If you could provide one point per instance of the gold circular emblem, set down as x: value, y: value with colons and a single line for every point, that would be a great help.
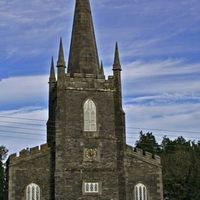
x: 91, y: 153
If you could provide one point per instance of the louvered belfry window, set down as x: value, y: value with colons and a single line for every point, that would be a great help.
x: 90, y: 121
x: 141, y: 192
x: 91, y: 187
x: 32, y: 192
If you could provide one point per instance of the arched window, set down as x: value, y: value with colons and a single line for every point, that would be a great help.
x: 90, y: 123
x: 32, y: 192
x: 141, y: 192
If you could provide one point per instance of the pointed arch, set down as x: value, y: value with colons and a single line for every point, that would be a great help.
x: 90, y: 118
x: 140, y: 192
x: 32, y: 192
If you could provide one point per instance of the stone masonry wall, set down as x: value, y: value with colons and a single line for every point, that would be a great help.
x: 31, y: 166
x: 71, y: 139
x: 141, y: 167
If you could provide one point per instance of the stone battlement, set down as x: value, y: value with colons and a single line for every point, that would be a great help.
x: 26, y: 153
x: 88, y: 81
x: 143, y: 154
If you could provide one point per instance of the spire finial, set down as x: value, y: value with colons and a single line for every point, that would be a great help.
x: 52, y: 77
x: 83, y: 56
x: 61, y: 58
x: 116, y: 64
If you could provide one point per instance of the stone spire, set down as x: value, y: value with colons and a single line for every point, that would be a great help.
x: 52, y: 77
x: 83, y: 56
x: 61, y: 58
x: 116, y: 64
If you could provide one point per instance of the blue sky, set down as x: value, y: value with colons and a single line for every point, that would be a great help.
x: 160, y: 54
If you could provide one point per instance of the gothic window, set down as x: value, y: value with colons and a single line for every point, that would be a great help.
x: 32, y: 192
x: 141, y: 192
x: 90, y: 123
x: 91, y: 187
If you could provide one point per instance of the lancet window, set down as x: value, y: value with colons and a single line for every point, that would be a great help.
x: 141, y: 192
x: 90, y: 121
x: 32, y: 192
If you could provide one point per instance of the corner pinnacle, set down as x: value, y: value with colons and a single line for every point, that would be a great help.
x: 52, y: 77
x: 101, y: 69
x: 116, y: 64
x: 61, y: 58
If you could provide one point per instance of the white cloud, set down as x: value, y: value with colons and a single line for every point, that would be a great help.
x: 33, y: 113
x: 23, y: 89
x: 153, y: 98
x: 31, y: 28
x: 161, y: 67
x: 162, y: 95
x: 152, y: 28
x: 178, y: 119
x: 166, y: 76
x: 17, y: 131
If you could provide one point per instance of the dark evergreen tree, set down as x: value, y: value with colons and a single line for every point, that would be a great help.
x: 3, y: 152
x: 181, y: 165
x: 1, y: 180
x: 148, y: 143
x: 176, y: 162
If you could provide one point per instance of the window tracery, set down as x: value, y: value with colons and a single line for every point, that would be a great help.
x: 141, y: 192
x: 32, y: 192
x: 90, y: 123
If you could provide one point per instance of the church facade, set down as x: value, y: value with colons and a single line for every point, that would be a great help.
x: 86, y: 156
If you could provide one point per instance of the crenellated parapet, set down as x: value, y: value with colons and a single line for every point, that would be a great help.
x: 29, y: 153
x: 144, y: 155
x: 81, y: 81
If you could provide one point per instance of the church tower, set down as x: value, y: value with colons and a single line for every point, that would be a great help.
x: 86, y: 127
x: 86, y: 156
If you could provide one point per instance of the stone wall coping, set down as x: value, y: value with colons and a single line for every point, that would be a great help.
x: 89, y: 89
x: 143, y: 154
x: 25, y: 153
x: 77, y: 75
x: 88, y: 81
x: 88, y: 76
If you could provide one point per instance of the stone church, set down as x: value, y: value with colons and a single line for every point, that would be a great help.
x: 86, y: 156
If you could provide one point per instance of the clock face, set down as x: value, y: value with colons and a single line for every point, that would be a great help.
x: 91, y: 154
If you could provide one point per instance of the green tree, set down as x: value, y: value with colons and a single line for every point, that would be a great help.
x: 180, y: 163
x: 148, y: 143
x: 3, y: 152
x: 176, y: 162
